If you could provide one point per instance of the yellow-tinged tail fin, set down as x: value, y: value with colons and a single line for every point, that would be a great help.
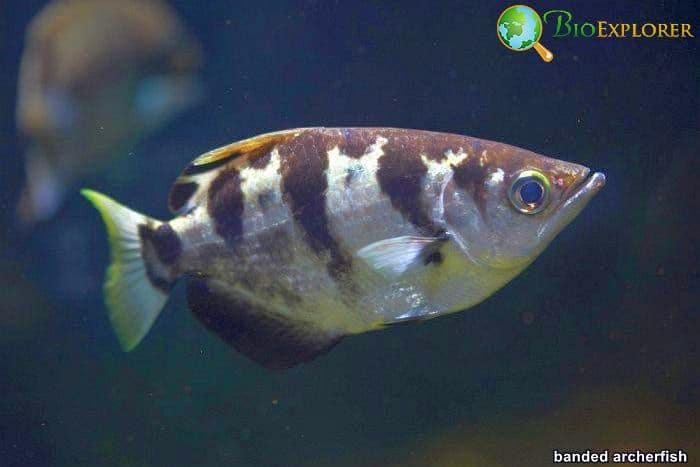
x: 132, y: 298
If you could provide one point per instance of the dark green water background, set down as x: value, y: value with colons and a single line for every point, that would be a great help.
x: 594, y: 346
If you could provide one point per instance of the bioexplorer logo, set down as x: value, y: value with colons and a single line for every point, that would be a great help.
x: 520, y: 28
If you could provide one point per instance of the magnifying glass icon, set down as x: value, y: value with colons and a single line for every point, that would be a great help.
x: 519, y: 28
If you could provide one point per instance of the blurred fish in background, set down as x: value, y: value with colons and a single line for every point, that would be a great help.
x: 95, y: 76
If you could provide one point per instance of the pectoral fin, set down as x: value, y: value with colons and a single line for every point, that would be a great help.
x: 394, y: 257
x: 266, y: 336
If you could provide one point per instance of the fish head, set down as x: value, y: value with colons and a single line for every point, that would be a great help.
x: 170, y: 83
x: 505, y: 204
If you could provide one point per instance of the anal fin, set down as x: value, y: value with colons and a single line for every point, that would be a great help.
x: 266, y: 337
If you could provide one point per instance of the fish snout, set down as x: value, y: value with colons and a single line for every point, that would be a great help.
x: 572, y: 204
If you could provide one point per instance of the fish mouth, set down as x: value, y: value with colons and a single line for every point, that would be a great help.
x: 573, y: 203
x: 586, y: 189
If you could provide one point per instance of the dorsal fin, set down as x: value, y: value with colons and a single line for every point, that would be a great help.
x: 247, y: 149
x: 196, y: 177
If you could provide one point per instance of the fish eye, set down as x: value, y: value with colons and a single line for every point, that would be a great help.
x: 529, y: 192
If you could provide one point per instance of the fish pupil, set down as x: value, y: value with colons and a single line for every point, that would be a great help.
x: 531, y: 192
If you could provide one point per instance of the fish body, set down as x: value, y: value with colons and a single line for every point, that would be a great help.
x: 292, y: 240
x: 95, y: 75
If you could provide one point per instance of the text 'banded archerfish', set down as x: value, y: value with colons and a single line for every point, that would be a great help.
x: 292, y: 240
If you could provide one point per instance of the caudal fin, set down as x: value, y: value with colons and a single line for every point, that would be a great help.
x: 133, y: 295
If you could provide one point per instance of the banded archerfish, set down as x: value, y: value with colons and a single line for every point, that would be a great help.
x: 292, y: 240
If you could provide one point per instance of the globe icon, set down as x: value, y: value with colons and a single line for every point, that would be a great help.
x: 520, y: 28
